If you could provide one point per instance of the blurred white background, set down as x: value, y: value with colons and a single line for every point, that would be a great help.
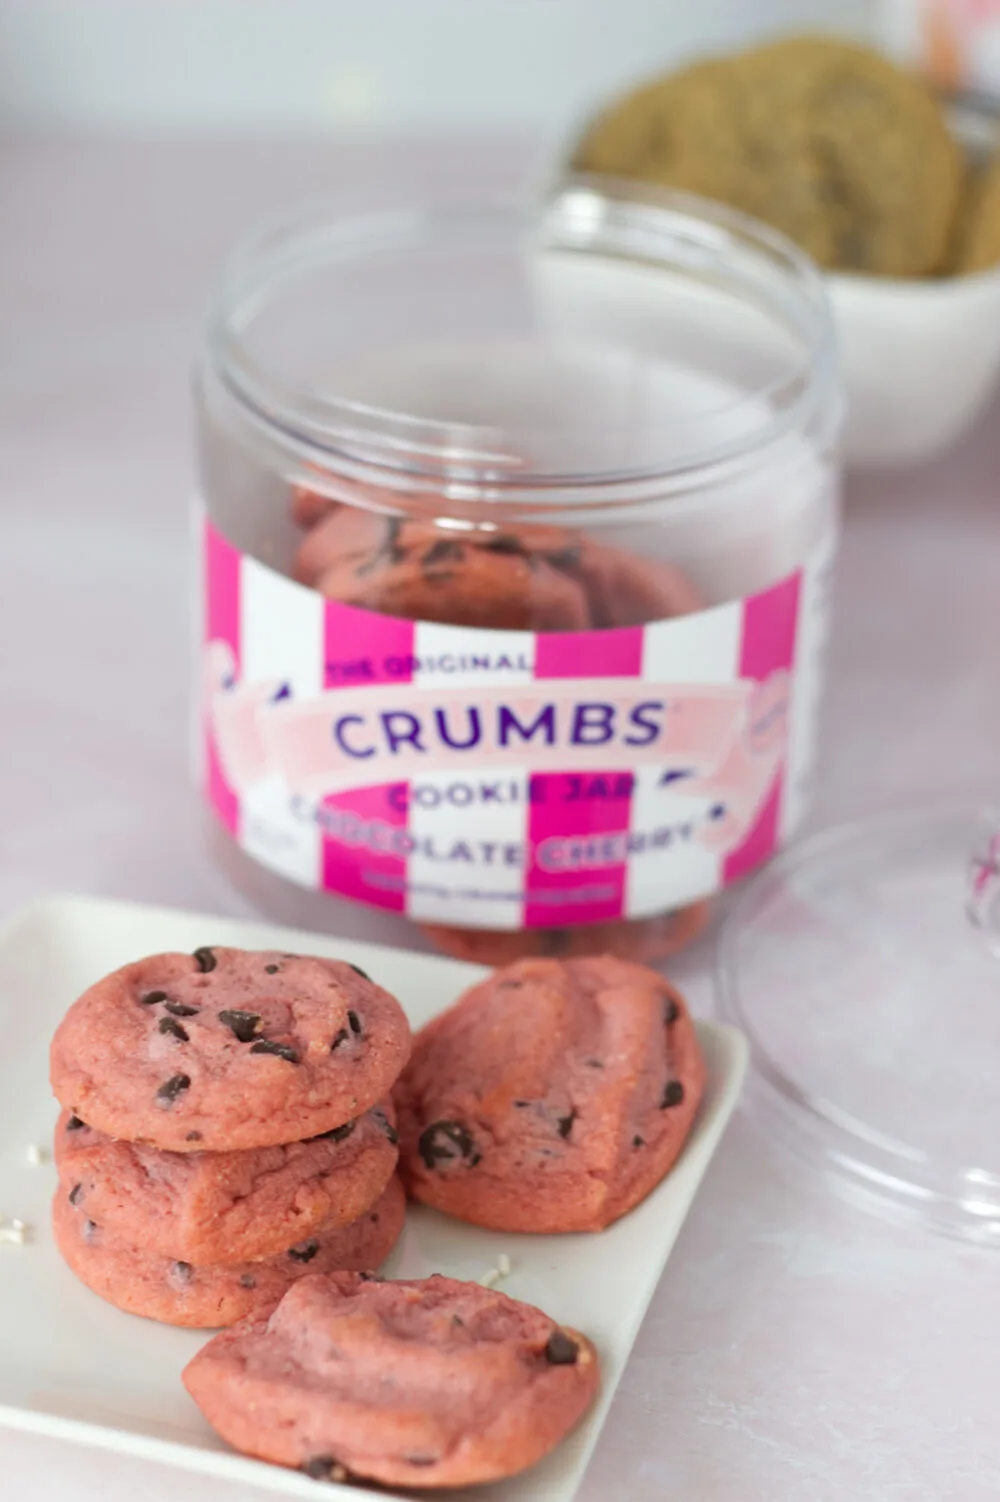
x: 361, y: 66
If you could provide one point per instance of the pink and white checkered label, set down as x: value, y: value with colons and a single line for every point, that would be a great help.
x: 502, y: 779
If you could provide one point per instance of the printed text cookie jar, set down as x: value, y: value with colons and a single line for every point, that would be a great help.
x: 516, y: 537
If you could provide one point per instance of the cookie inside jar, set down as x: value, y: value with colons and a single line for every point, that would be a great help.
x: 519, y: 524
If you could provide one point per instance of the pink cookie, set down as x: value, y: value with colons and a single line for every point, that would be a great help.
x: 227, y: 1049
x: 226, y: 1207
x: 553, y: 1096
x: 140, y: 1281
x: 417, y: 1384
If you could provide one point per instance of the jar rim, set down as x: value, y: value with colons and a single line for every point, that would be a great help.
x: 606, y: 218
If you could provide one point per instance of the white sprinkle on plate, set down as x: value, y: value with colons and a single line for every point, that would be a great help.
x: 496, y: 1274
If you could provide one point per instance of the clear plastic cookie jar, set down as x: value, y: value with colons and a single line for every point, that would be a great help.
x: 516, y: 535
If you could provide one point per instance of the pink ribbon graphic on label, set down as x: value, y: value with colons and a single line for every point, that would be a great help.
x: 744, y: 777
x: 347, y: 740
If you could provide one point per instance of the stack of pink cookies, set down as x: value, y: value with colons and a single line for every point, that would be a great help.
x: 227, y: 1128
x: 552, y: 1097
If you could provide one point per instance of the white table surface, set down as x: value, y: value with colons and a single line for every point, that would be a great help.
x: 797, y: 1350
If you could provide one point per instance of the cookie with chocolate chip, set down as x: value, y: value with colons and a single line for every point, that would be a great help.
x: 506, y: 579
x: 371, y: 538
x: 528, y: 576
x: 553, y: 1096
x: 139, y: 1280
x: 413, y: 1384
x: 829, y: 142
x: 227, y: 1049
x: 211, y: 1208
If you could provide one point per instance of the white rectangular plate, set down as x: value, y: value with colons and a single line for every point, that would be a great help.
x: 73, y: 1367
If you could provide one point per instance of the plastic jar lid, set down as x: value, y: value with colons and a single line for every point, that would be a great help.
x: 863, y: 966
x: 599, y: 348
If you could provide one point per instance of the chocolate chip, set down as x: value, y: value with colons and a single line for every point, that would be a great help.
x: 180, y: 1009
x: 153, y: 998
x: 444, y: 550
x: 337, y: 1134
x: 354, y: 1022
x: 75, y: 1124
x: 457, y: 1319
x: 206, y: 960
x: 280, y: 1050
x: 76, y: 1194
x: 556, y: 940
x: 243, y: 1025
x: 673, y: 1094
x: 387, y: 1127
x: 247, y: 1280
x: 304, y: 1253
x: 182, y: 1271
x: 358, y: 971
x: 173, y: 1029
x: 271, y: 969
x: 520, y: 1104
x: 325, y: 1468
x: 505, y: 543
x: 389, y: 549
x: 341, y: 1037
x: 671, y: 1012
x: 564, y: 558
x: 595, y: 1064
x: 394, y: 527
x: 89, y: 1231
x: 565, y: 1123
x: 169, y: 1091
x: 445, y: 1142
x: 421, y: 1459
x: 560, y: 1350
x: 371, y: 1277
x: 193, y: 1137
x: 638, y: 1142
x: 476, y: 1158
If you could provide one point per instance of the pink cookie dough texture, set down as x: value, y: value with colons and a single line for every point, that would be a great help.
x: 226, y: 1207
x: 175, y: 1292
x: 553, y: 1096
x: 414, y: 1384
